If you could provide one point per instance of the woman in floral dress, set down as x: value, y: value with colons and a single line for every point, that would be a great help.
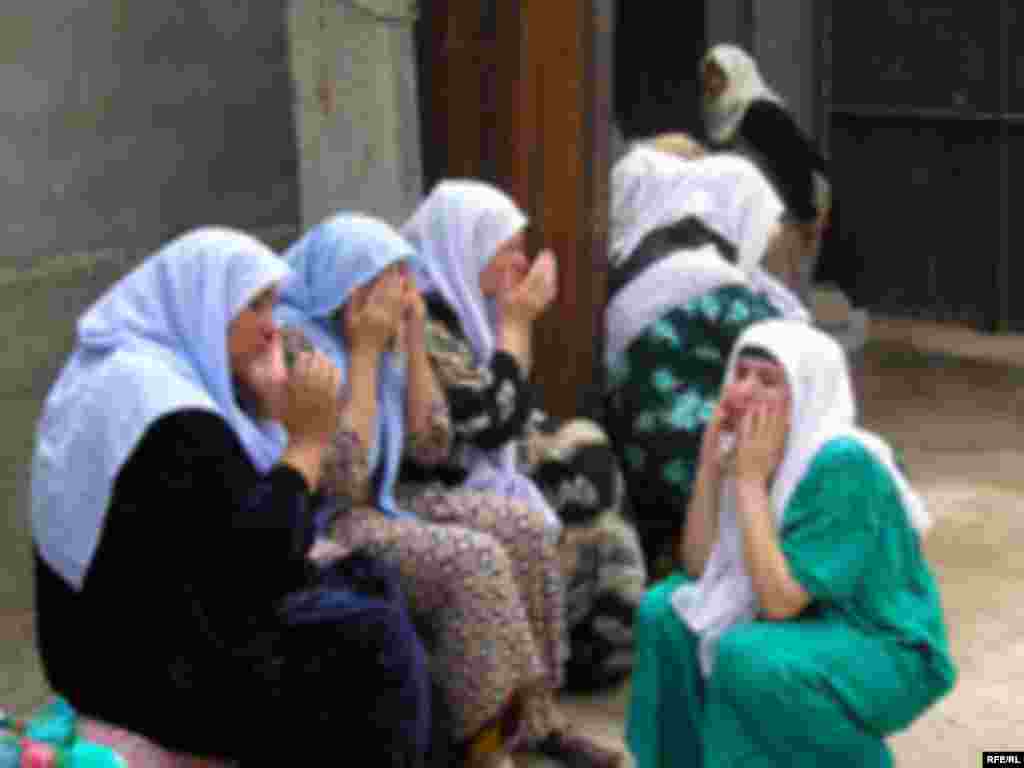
x: 479, y: 570
x: 482, y: 298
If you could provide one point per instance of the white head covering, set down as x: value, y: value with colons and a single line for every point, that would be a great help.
x: 822, y: 408
x: 457, y: 230
x: 155, y: 343
x: 744, y: 85
x: 653, y: 189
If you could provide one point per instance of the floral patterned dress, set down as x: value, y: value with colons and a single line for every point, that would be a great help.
x: 661, y: 393
x: 480, y: 572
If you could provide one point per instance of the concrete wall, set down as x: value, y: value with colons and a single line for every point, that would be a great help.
x: 728, y: 21
x: 785, y: 47
x: 123, y: 123
x: 782, y: 37
x: 356, y: 108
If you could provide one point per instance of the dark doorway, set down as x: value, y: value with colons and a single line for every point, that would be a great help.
x: 924, y: 135
x: 658, y: 47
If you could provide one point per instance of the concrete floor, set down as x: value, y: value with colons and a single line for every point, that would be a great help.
x: 953, y: 402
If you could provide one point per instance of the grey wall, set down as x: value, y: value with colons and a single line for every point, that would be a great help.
x: 729, y: 21
x: 361, y: 151
x: 782, y: 37
x: 122, y: 123
x: 785, y: 48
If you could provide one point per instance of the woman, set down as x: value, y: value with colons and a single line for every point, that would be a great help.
x: 687, y: 241
x: 807, y: 625
x: 171, y: 515
x: 475, y: 565
x: 742, y: 113
x: 482, y: 299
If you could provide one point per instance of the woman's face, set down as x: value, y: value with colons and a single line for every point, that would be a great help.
x: 397, y: 275
x: 256, y: 352
x: 252, y: 333
x: 715, y: 81
x: 508, y: 263
x: 756, y: 380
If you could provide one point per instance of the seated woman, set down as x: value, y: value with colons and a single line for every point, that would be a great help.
x: 743, y: 114
x: 482, y: 298
x: 687, y: 242
x: 479, y: 569
x: 807, y: 625
x: 171, y: 517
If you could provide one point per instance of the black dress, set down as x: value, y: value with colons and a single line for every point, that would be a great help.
x: 196, y: 626
x: 790, y: 159
x: 489, y: 405
x: 785, y: 154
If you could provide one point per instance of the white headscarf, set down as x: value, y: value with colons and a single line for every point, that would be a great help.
x: 457, y: 230
x: 822, y: 408
x: 744, y: 85
x: 155, y: 343
x: 653, y: 189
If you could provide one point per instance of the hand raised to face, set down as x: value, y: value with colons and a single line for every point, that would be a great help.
x: 761, y: 440
x: 374, y: 313
x: 525, y: 301
x: 313, y: 398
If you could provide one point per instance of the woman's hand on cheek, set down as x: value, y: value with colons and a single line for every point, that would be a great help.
x: 313, y: 398
x: 525, y: 301
x: 761, y: 442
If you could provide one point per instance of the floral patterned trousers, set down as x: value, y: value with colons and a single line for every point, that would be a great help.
x: 483, y: 572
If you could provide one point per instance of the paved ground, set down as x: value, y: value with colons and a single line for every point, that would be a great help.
x: 960, y: 424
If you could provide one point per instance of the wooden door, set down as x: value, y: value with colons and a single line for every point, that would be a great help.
x: 519, y: 94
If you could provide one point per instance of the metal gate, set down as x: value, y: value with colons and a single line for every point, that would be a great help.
x: 925, y: 128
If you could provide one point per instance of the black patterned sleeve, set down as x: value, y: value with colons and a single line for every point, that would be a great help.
x: 489, y: 404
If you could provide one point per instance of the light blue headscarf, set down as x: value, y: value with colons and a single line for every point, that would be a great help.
x: 155, y: 343
x: 330, y: 262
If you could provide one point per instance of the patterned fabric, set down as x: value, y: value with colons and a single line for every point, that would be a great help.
x: 489, y: 403
x: 661, y: 393
x: 140, y: 752
x: 574, y: 466
x: 433, y: 445
x: 482, y: 572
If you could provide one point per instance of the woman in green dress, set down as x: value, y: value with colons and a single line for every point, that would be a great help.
x: 688, y: 241
x: 807, y: 625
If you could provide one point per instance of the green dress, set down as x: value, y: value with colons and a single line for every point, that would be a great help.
x: 866, y: 658
x: 661, y: 393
